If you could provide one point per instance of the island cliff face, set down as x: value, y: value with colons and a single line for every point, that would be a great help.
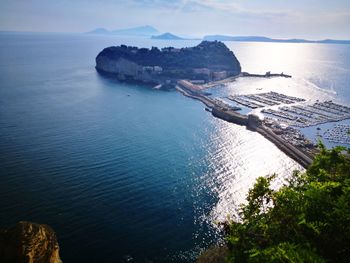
x: 29, y: 243
x: 210, y: 60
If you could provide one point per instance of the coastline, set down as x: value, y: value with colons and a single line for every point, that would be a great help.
x: 251, y: 122
x: 110, y: 144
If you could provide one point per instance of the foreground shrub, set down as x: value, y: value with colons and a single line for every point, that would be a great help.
x: 306, y: 220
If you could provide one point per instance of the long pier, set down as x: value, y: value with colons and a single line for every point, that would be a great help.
x: 293, y: 152
x: 266, y: 75
x: 230, y: 116
x: 251, y: 122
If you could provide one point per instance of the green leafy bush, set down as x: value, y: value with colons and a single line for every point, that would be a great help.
x: 306, y: 220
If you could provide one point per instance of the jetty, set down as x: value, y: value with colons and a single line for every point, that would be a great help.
x: 191, y: 90
x: 228, y: 113
x: 300, y: 156
x: 268, y: 74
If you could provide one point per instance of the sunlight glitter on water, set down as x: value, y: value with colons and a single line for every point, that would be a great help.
x: 238, y: 157
x: 140, y: 168
x: 318, y: 71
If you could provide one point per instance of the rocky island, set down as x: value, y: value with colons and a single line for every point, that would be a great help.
x: 208, y: 61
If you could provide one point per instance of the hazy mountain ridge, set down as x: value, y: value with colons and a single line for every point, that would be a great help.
x: 167, y: 36
x: 134, y: 31
x: 153, y: 33
x: 170, y: 36
x: 267, y: 39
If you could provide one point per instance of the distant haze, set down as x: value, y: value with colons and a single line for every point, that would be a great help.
x: 310, y: 19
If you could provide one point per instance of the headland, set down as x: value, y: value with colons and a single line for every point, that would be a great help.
x: 208, y: 61
x: 192, y: 70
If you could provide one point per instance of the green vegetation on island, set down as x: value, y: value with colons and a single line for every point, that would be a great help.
x: 206, y: 61
x: 306, y: 220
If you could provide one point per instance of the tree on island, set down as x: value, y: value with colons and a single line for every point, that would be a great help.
x: 306, y: 220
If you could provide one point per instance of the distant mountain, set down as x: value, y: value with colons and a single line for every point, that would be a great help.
x: 170, y: 36
x: 146, y: 31
x: 232, y: 38
x: 332, y: 41
x: 101, y: 31
x: 139, y: 31
x: 167, y: 36
x: 266, y: 39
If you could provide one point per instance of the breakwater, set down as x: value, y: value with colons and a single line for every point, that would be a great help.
x: 252, y: 122
x: 205, y: 100
x: 266, y: 75
x: 230, y: 116
x: 303, y: 158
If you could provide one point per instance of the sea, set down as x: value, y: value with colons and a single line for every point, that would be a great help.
x: 126, y: 173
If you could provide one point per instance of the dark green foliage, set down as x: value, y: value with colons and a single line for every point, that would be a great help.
x: 307, y: 220
x: 212, y: 55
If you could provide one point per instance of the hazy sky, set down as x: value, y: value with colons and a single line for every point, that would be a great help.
x: 312, y: 19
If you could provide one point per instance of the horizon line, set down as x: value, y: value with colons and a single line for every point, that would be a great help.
x: 195, y: 38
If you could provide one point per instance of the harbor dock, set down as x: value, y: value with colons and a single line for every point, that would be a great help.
x: 252, y: 122
x: 266, y: 75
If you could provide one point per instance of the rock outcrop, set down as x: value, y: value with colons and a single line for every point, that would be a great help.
x: 29, y: 243
x: 206, y: 61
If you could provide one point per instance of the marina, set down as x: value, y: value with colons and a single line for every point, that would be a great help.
x: 293, y: 111
x: 340, y: 133
x: 306, y: 115
x: 290, y: 141
x: 261, y: 100
x: 283, y: 117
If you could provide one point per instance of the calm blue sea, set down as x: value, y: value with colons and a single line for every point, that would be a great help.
x: 123, y: 171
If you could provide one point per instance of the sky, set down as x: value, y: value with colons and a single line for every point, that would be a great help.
x: 310, y: 19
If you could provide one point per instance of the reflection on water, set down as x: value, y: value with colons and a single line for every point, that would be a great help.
x: 236, y: 157
x: 120, y: 169
x: 239, y: 156
x: 318, y: 71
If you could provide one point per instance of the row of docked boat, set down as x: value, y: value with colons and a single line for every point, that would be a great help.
x: 305, y: 115
x: 338, y: 134
x: 266, y: 99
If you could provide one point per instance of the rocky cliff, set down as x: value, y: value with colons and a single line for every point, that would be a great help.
x: 29, y: 243
x: 206, y: 61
